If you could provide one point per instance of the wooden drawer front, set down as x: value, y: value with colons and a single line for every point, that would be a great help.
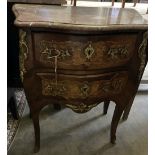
x: 82, y: 87
x: 78, y: 53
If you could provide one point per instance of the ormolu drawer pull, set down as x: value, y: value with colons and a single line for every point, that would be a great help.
x: 49, y: 50
x: 51, y: 53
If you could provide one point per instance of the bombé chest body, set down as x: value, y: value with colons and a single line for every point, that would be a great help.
x: 80, y: 57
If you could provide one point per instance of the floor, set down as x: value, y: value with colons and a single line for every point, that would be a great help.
x: 67, y: 133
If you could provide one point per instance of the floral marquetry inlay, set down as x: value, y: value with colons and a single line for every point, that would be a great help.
x: 50, y: 87
x: 114, y: 85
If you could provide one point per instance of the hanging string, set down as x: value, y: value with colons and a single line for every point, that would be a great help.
x: 55, y: 70
x: 55, y: 65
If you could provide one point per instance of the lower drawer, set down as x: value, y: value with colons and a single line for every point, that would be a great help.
x: 72, y: 87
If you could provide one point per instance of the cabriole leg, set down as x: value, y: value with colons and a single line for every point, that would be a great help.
x: 116, y: 117
x: 105, y: 107
x: 35, y: 118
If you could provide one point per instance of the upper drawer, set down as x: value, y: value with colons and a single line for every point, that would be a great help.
x: 83, y: 52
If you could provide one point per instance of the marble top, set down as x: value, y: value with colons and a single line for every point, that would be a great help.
x: 77, y: 17
x: 39, y: 1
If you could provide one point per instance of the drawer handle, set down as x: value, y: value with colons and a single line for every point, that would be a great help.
x: 50, y: 50
x: 51, y: 53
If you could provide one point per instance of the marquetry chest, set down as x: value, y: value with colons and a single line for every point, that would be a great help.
x: 80, y: 57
